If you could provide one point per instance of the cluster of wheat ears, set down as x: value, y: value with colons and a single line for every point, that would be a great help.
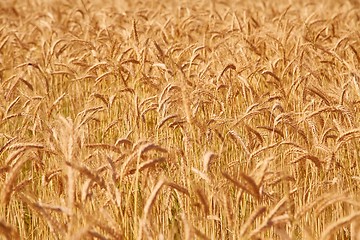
x: 179, y: 119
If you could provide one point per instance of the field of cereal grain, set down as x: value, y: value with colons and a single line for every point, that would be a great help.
x: 181, y: 119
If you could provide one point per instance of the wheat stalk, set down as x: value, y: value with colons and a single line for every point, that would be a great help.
x: 326, y: 234
x: 250, y: 220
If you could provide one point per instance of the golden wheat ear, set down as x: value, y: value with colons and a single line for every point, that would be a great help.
x: 8, y: 231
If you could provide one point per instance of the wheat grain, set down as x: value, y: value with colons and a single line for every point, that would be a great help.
x: 150, y: 146
x: 203, y: 200
x: 207, y: 159
x: 242, y: 186
x: 312, y: 158
x: 268, y: 222
x: 147, y: 164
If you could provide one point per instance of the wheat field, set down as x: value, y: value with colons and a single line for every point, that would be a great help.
x: 179, y: 119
